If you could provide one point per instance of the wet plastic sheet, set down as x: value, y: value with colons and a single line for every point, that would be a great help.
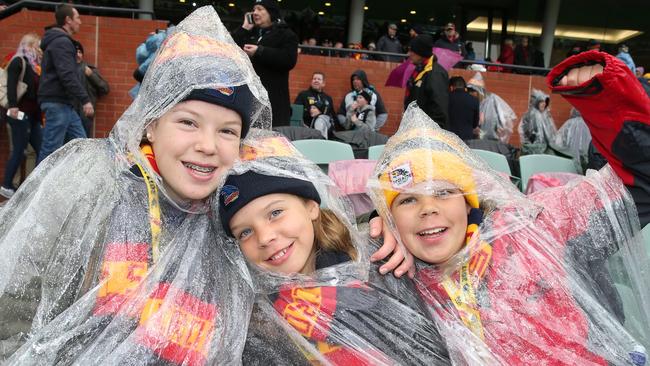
x: 498, y: 118
x: 342, y: 314
x: 80, y: 279
x: 559, y: 277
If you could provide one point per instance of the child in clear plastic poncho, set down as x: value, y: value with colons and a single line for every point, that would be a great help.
x: 537, y: 130
x: 575, y: 135
x: 310, y: 265
x: 497, y: 118
x: 528, y: 278
x: 108, y: 253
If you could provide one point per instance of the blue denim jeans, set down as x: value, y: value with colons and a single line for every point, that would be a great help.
x: 23, y: 132
x: 61, y: 121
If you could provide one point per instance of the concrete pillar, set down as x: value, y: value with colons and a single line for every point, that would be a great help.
x: 145, y: 5
x: 355, y: 24
x: 551, y: 11
x: 488, y: 34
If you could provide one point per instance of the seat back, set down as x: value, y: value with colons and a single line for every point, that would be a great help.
x: 323, y: 152
x: 540, y: 163
x: 296, y: 115
x: 374, y: 152
x: 495, y: 160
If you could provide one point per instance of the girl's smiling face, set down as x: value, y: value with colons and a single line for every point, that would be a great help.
x: 194, y: 144
x: 276, y: 232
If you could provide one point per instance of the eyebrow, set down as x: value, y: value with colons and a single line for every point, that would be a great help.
x: 234, y: 227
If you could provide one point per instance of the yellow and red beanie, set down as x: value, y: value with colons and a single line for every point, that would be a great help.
x: 429, y: 161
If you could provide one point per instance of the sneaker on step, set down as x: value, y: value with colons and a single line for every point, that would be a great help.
x: 7, y: 192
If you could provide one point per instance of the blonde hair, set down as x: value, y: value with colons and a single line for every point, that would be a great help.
x: 331, y: 234
x: 31, y: 39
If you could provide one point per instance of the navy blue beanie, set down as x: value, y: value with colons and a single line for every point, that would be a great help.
x: 239, y: 190
x: 238, y: 98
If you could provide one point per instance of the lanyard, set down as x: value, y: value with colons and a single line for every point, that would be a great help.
x: 154, y: 213
x: 464, y: 299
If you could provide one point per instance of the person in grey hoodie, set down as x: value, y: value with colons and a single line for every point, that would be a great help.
x: 60, y: 85
x: 359, y: 83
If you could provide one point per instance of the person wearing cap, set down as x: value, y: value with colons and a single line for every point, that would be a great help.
x: 428, y: 85
x: 96, y: 86
x: 510, y: 279
x: 273, y: 49
x: 309, y: 263
x: 361, y: 114
x: 110, y: 241
x: 624, y: 55
x: 390, y: 43
x: 320, y: 121
x: 450, y: 40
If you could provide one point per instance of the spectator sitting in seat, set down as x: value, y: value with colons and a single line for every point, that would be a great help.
x: 319, y: 120
x: 359, y: 82
x: 360, y: 113
x: 314, y: 94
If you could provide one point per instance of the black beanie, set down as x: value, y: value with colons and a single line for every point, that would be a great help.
x: 239, y: 190
x: 238, y: 98
x: 320, y: 105
x: 422, y: 45
x: 271, y: 6
x: 366, y: 95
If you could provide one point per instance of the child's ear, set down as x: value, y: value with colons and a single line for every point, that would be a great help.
x: 469, y: 208
x: 313, y: 209
x: 150, y: 131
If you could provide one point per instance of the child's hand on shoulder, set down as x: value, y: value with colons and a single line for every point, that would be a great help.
x: 401, y: 261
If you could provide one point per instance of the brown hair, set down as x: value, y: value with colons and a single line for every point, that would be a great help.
x: 62, y: 11
x: 331, y: 234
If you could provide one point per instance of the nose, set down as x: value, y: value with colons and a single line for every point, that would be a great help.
x: 207, y: 143
x: 429, y: 207
x: 265, y: 235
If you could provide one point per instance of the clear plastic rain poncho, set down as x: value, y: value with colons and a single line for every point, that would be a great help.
x: 558, y: 277
x: 575, y: 135
x: 345, y: 314
x: 537, y: 129
x: 498, y: 117
x: 89, y: 274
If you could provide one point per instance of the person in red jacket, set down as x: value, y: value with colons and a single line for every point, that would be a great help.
x: 514, y: 279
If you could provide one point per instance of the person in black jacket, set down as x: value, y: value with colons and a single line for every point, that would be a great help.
x: 313, y: 95
x: 273, y: 49
x: 60, y: 85
x: 94, y: 83
x: 429, y: 82
x: 463, y: 110
x: 27, y: 129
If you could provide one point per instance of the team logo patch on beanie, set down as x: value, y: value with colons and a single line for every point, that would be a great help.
x: 226, y: 91
x: 229, y: 194
x: 401, y: 176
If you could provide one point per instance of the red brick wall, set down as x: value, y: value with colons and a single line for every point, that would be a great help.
x: 108, y: 42
x: 514, y: 89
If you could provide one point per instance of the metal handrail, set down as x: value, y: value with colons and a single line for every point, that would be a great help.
x: 468, y: 62
x: 14, y: 8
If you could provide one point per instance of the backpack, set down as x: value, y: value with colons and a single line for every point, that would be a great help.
x: 21, y: 88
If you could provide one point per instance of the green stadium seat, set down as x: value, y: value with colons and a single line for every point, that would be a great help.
x: 541, y: 163
x: 374, y: 152
x: 323, y: 152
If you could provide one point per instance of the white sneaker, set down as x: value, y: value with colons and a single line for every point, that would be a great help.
x: 6, y: 192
